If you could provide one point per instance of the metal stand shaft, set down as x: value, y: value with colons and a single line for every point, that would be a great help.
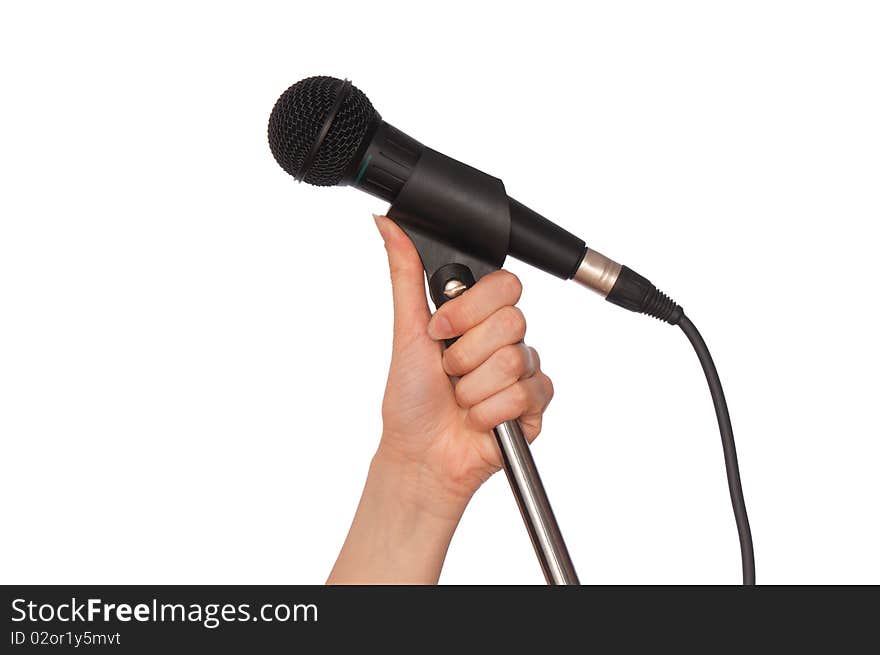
x: 525, y: 482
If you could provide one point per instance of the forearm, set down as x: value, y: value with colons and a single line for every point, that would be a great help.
x: 397, y: 535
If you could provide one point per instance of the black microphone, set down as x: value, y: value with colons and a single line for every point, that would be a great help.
x: 324, y: 131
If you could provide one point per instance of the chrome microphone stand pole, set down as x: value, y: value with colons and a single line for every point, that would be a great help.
x: 534, y: 506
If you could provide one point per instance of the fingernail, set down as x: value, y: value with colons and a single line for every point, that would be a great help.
x: 379, y: 225
x: 439, y: 327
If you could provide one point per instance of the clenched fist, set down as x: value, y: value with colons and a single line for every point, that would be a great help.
x: 439, y: 409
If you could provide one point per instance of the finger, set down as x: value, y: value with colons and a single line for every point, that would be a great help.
x: 503, y: 368
x: 531, y: 422
x: 524, y: 398
x: 487, y: 296
x: 411, y: 313
x: 531, y: 426
x: 506, y: 326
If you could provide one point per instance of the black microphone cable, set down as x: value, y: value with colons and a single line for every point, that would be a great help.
x: 632, y: 291
x: 747, y: 551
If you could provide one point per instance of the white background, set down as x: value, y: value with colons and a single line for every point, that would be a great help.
x: 193, y: 347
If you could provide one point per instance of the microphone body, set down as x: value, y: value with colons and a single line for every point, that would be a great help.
x: 445, y: 199
x: 390, y: 158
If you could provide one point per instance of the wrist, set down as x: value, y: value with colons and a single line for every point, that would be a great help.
x: 399, y: 535
x: 417, y: 488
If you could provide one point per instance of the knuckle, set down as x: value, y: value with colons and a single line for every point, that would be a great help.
x: 512, y: 361
x: 530, y: 361
x: 520, y: 393
x: 548, y: 388
x: 513, y: 321
x: 462, y: 395
x: 460, y: 316
x: 536, y: 425
x: 510, y: 284
x: 477, y: 417
x: 454, y: 360
x: 399, y: 269
x: 536, y: 359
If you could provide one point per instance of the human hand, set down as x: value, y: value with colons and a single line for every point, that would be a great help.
x: 439, y: 409
x: 441, y: 428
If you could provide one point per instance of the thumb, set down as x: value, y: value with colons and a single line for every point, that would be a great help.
x: 411, y: 313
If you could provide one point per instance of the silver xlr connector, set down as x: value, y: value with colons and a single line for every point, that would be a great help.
x: 597, y: 272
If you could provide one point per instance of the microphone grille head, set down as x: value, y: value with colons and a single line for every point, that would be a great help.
x: 299, y: 124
